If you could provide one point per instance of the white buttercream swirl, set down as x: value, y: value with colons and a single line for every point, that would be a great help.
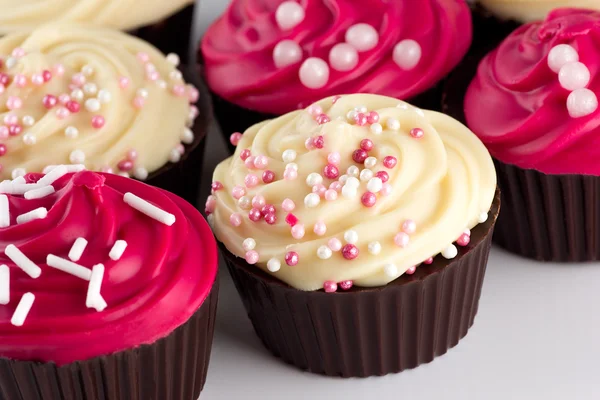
x: 443, y: 181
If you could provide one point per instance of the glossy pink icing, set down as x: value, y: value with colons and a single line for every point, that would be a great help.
x: 162, y: 278
x: 238, y: 49
x: 518, y: 108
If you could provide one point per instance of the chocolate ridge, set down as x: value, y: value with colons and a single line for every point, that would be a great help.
x: 369, y: 331
x: 172, y: 368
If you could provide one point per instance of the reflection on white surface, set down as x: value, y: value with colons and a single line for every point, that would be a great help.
x: 536, y: 336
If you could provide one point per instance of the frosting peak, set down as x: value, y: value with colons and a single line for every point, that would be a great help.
x: 291, y: 54
x: 356, y: 189
x: 97, y: 286
x: 540, y: 89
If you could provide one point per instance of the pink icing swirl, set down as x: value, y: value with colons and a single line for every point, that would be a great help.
x: 162, y: 278
x: 518, y: 108
x: 238, y: 49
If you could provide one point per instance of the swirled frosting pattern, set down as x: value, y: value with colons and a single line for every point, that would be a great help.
x: 518, y: 107
x: 94, y: 96
x: 533, y: 10
x: 426, y: 179
x: 262, y: 54
x: 161, y: 279
x: 120, y: 14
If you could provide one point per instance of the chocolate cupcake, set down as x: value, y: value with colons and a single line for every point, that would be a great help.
x: 88, y: 310
x: 533, y: 103
x: 266, y: 58
x: 167, y: 24
x: 364, y: 252
x: 102, y: 98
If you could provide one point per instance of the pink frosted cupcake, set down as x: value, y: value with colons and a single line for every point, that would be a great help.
x: 267, y: 58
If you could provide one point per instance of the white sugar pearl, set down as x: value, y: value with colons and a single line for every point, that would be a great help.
x: 288, y: 155
x: 161, y: 84
x: 363, y: 37
x: 407, y: 54
x: 560, y: 55
x: 390, y: 270
x: 187, y: 136
x: 28, y: 120
x: 351, y: 115
x: 17, y: 172
x: 483, y: 216
x: 343, y: 179
x: 142, y: 93
x: 361, y: 109
x: 90, y: 89
x: 450, y: 252
x: 289, y: 14
x: 77, y: 94
x: 174, y: 156
x: 71, y: 132
x: 273, y: 265
x: 312, y: 200
x: 104, y: 96
x: 374, y: 185
x: 292, y: 165
x: 140, y: 173
x: 286, y: 52
x: 370, y: 162
x: 92, y: 105
x: 77, y: 157
x: 376, y: 128
x: 29, y: 139
x: 175, y: 75
x: 10, y: 62
x: 249, y: 244
x: 245, y: 203
x: 173, y: 59
x: 87, y: 70
x: 324, y: 252
x: 314, y: 73
x: 374, y: 248
x: 353, y: 170
x: 314, y: 179
x: 349, y: 191
x: 393, y: 124
x: 343, y: 57
x: 574, y: 76
x: 581, y: 102
x: 351, y: 236
x: 352, y: 182
x: 366, y: 174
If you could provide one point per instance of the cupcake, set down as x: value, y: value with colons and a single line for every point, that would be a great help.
x: 533, y: 104
x: 98, y: 97
x: 266, y: 58
x: 88, y: 310
x: 167, y: 24
x: 365, y: 253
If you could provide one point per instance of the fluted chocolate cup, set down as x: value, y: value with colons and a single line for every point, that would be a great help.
x: 369, y: 331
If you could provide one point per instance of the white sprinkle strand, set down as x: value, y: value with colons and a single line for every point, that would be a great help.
x: 39, y: 193
x: 22, y: 261
x: 149, y: 209
x: 93, y: 292
x: 19, y: 188
x: 77, y: 249
x: 20, y: 315
x: 4, y: 212
x: 17, y: 172
x: 72, y: 168
x: 117, y: 250
x: 20, y: 179
x: 100, y: 304
x: 54, y: 174
x: 38, y: 213
x: 4, y: 284
x: 69, y: 267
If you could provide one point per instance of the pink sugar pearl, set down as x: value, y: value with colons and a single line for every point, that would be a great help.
x: 254, y: 215
x: 290, y: 174
x: 334, y: 244
x: 334, y: 158
x: 359, y: 156
x: 315, y: 109
x: 320, y: 228
x: 258, y: 201
x: 288, y: 205
x: 350, y: 252
x: 235, y: 138
x: 428, y: 261
x: 235, y: 219
x: 261, y: 162
x: 409, y: 226
x: 331, y: 171
x: 298, y: 231
x: 98, y: 121
x: 270, y: 219
x: 346, y: 285
x: 251, y: 180
x: 249, y: 162
x: 463, y: 240
x: 237, y: 192
x: 384, y: 176
x: 411, y: 270
x: 373, y: 117
x: 245, y: 154
x: 417, y: 133
x: 319, y: 189
x: 401, y: 239
x: 337, y: 186
x: 386, y: 189
x: 309, y: 144
x: 331, y: 195
x: 366, y: 144
x: 268, y: 176
x: 215, y: 186
x: 268, y: 209
x: 330, y: 286
x: 390, y: 162
x: 368, y: 199
x: 251, y: 257
x: 291, y: 258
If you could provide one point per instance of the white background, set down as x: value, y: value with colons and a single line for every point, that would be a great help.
x: 537, y: 336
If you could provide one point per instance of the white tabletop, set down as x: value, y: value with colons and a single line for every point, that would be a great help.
x: 536, y: 336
